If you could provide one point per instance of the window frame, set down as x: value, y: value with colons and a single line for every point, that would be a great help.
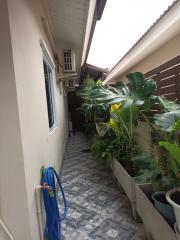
x: 50, y: 64
x: 69, y: 60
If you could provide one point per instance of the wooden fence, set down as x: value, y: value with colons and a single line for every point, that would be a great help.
x: 167, y: 77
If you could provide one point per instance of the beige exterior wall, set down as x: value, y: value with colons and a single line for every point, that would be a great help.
x: 160, y: 56
x: 26, y: 144
x: 13, y: 197
x: 143, y: 137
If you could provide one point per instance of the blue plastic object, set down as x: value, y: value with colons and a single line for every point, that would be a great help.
x: 164, y: 207
x: 53, y: 219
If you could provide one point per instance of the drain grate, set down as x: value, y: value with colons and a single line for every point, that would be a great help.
x: 86, y: 150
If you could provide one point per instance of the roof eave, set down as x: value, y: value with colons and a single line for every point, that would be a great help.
x: 100, y: 8
x: 97, y: 7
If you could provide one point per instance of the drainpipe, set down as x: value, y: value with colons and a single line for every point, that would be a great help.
x: 39, y: 211
x: 6, y: 230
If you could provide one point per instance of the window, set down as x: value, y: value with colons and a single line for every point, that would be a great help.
x: 71, y: 84
x: 48, y: 66
x: 69, y: 60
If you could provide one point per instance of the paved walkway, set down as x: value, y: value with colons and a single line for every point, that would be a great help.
x: 98, y: 208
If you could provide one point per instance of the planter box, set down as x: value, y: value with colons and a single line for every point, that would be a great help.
x: 126, y: 182
x: 156, y: 227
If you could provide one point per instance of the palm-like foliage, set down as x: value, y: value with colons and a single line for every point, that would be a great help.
x: 91, y: 108
x: 137, y: 91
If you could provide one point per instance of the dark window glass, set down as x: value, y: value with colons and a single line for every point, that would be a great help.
x: 49, y: 93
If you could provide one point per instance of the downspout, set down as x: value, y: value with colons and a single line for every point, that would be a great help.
x: 39, y: 211
x: 6, y: 230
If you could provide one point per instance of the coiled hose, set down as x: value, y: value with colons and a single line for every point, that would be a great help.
x: 53, y: 219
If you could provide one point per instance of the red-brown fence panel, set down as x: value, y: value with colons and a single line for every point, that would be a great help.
x: 167, y: 77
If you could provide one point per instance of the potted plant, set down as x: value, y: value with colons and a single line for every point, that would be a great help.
x: 163, y: 174
x: 165, y: 170
x: 156, y: 227
x: 173, y: 195
x: 152, y: 214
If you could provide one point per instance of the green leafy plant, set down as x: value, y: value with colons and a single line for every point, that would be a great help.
x: 123, y: 122
x: 104, y: 150
x: 149, y: 170
x: 137, y: 91
x: 154, y: 173
x: 169, y: 121
x: 164, y: 171
x: 117, y: 109
x: 93, y: 111
x: 89, y: 106
x: 127, y: 103
x: 174, y: 152
x: 168, y: 125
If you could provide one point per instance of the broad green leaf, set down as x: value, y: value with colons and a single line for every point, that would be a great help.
x: 172, y: 148
x: 167, y: 120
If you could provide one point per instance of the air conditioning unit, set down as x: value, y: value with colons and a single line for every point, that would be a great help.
x: 69, y: 60
x: 70, y: 84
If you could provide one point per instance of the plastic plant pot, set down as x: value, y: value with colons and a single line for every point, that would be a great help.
x: 173, y: 197
x: 164, y: 207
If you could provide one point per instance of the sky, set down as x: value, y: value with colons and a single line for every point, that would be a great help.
x: 123, y: 22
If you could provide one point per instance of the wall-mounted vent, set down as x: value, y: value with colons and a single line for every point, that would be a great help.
x: 69, y: 60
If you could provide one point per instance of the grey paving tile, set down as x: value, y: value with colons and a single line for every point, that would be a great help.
x: 98, y: 208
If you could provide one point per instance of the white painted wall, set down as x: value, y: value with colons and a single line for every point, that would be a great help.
x: 25, y: 142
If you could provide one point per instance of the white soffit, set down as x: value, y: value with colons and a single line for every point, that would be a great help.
x: 165, y: 29
x: 69, y: 21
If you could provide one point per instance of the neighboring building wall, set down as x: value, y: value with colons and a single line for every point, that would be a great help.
x: 163, y: 54
x: 27, y: 142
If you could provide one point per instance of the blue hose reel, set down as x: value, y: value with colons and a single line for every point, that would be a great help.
x: 53, y: 217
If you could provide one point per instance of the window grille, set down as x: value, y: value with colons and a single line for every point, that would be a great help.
x: 69, y: 63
